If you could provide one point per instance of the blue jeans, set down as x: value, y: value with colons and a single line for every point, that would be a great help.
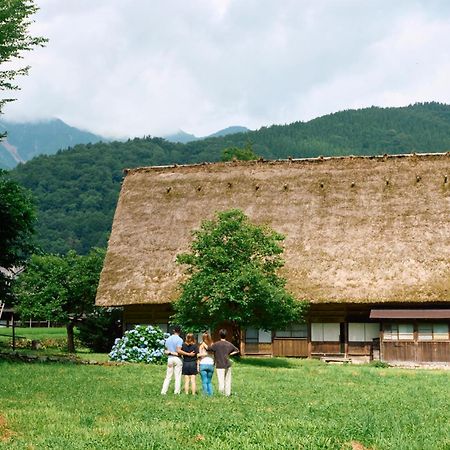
x: 206, y: 372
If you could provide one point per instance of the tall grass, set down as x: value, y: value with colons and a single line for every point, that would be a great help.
x: 276, y: 404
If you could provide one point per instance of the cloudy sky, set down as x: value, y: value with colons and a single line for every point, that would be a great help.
x: 134, y: 67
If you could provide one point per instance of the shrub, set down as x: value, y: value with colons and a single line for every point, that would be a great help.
x: 379, y: 364
x: 142, y: 344
x: 99, y: 330
x: 59, y: 343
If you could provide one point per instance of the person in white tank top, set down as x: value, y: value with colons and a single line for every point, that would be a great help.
x: 206, y: 364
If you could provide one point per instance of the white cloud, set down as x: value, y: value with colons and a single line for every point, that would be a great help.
x: 127, y: 67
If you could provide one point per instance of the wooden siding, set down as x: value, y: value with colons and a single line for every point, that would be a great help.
x: 420, y: 352
x: 359, y: 349
x: 290, y: 347
x: 325, y: 348
x: 256, y: 349
x: 405, y: 351
x: 146, y: 314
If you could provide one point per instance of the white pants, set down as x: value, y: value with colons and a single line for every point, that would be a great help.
x: 174, y: 364
x: 224, y: 379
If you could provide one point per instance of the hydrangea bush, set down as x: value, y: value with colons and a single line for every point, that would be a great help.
x: 141, y: 344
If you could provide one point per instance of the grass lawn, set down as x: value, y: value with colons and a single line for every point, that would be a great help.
x: 32, y: 333
x: 45, y: 335
x: 276, y: 404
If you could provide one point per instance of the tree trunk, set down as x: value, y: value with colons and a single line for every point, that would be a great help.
x: 70, y: 339
x: 236, y: 335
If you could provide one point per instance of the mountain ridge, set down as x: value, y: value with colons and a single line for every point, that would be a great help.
x: 25, y: 140
x: 182, y: 137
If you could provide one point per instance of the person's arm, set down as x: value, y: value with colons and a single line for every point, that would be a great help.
x: 234, y: 351
x: 182, y: 352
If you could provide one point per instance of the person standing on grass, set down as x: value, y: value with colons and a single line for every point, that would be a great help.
x: 223, y: 350
x: 189, y: 350
x: 173, y: 346
x: 206, y: 363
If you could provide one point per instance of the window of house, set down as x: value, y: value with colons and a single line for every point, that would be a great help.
x: 254, y: 336
x: 325, y: 332
x: 398, y: 332
x: 298, y: 330
x: 363, y: 332
x: 433, y: 331
x: 251, y: 336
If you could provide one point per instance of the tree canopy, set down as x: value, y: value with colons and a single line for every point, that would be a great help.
x: 17, y: 219
x: 59, y: 288
x: 14, y: 40
x: 245, y: 153
x: 232, y: 277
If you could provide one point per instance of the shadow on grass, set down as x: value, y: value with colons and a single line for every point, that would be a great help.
x: 271, y: 363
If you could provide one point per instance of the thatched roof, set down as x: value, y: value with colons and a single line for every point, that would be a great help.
x: 357, y: 229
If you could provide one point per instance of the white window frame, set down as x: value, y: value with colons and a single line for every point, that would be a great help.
x: 433, y: 335
x: 258, y: 336
x: 325, y: 331
x: 295, y: 331
x: 363, y: 331
x: 398, y: 331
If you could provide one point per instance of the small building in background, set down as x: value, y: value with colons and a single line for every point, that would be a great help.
x: 367, y: 243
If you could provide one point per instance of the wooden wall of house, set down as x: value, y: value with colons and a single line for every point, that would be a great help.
x: 146, y: 314
x: 412, y: 351
x: 290, y: 347
x: 417, y: 352
x: 256, y: 349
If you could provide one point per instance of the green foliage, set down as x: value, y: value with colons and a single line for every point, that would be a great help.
x: 99, y: 329
x: 379, y: 364
x: 17, y: 218
x: 77, y: 189
x: 59, y: 288
x: 232, y: 268
x: 303, y: 404
x: 245, y: 153
x: 14, y: 40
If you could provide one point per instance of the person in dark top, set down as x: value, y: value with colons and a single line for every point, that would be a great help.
x: 223, y: 350
x: 189, y: 369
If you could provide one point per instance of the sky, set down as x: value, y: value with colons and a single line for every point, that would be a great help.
x: 125, y: 68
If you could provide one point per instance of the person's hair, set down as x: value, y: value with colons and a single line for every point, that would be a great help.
x: 223, y: 333
x: 177, y: 329
x: 190, y: 339
x: 206, y: 338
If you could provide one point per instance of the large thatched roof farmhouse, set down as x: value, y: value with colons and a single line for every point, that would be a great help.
x: 367, y: 242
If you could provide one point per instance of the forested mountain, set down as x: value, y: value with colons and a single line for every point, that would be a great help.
x: 28, y: 139
x: 183, y: 138
x: 77, y: 189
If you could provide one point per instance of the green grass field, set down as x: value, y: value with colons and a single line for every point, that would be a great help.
x: 48, y: 336
x: 33, y: 333
x: 276, y: 404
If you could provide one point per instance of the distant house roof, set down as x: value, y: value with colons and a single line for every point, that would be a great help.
x: 358, y: 229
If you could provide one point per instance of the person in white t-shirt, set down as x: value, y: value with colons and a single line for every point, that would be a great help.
x: 174, y: 363
x: 206, y: 364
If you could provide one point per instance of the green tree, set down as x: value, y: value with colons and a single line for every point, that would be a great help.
x: 100, y: 328
x: 14, y: 40
x: 17, y: 218
x: 232, y: 277
x: 245, y: 153
x: 59, y: 288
